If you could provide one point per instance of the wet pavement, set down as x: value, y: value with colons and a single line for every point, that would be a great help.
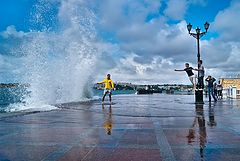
x: 134, y: 128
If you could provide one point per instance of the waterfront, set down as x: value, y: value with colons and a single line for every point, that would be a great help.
x: 13, y: 96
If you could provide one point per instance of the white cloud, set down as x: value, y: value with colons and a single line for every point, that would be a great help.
x: 146, y: 39
x: 12, y: 32
x: 150, y: 40
x: 222, y: 54
x: 147, y: 46
x: 120, y: 14
x: 156, y: 39
x: 176, y: 9
x: 148, y: 50
x: 226, y: 22
x: 158, y: 70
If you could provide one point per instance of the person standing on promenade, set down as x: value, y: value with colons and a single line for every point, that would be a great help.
x: 219, y: 90
x: 189, y: 72
x: 215, y: 89
x: 210, y: 81
x: 201, y: 75
x: 109, y: 86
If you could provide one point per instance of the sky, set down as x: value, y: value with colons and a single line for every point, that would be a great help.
x: 143, y: 40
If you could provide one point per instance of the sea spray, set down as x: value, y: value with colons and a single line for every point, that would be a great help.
x: 59, y: 61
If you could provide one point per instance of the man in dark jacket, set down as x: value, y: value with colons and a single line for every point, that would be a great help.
x: 210, y: 81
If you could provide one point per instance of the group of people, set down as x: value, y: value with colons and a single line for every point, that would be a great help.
x: 217, y: 87
x: 214, y: 90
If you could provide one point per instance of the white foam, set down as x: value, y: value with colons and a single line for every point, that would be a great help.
x: 18, y: 107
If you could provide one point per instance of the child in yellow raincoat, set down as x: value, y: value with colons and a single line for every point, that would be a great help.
x: 109, y: 86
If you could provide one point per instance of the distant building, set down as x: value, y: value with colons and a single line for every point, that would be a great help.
x: 231, y: 87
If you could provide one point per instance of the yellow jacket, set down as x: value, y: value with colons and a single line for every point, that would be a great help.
x: 108, y: 83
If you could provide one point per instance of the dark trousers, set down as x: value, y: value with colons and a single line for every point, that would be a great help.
x: 200, y: 82
x: 219, y: 94
x: 211, y: 92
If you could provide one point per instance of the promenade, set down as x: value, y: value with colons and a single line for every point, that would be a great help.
x: 135, y: 128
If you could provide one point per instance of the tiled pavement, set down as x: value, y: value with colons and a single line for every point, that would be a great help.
x: 135, y: 128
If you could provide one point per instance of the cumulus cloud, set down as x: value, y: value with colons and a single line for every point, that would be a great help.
x: 10, y: 54
x: 159, y: 70
x: 10, y: 41
x: 147, y: 48
x: 222, y: 54
x: 12, y: 32
x: 176, y: 9
x: 227, y: 24
x: 146, y: 38
x: 145, y: 41
x: 167, y: 41
x: 146, y: 44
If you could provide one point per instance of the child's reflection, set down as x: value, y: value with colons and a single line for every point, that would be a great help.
x: 107, y: 125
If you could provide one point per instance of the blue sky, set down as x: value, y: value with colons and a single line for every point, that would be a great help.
x: 15, y: 12
x: 207, y: 11
x: 18, y: 12
x: 140, y: 37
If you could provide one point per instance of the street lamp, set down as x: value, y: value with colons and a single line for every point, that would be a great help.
x: 189, y: 27
x: 206, y: 25
x: 198, y: 35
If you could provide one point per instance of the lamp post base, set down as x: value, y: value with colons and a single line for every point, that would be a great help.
x: 199, y: 96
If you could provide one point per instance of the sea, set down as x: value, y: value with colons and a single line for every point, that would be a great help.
x: 13, y: 99
x: 16, y: 99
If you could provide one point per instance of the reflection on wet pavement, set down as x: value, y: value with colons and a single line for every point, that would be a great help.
x: 199, y: 121
x: 107, y: 125
x: 135, y: 127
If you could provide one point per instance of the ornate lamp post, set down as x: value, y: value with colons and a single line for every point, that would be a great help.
x: 198, y: 35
